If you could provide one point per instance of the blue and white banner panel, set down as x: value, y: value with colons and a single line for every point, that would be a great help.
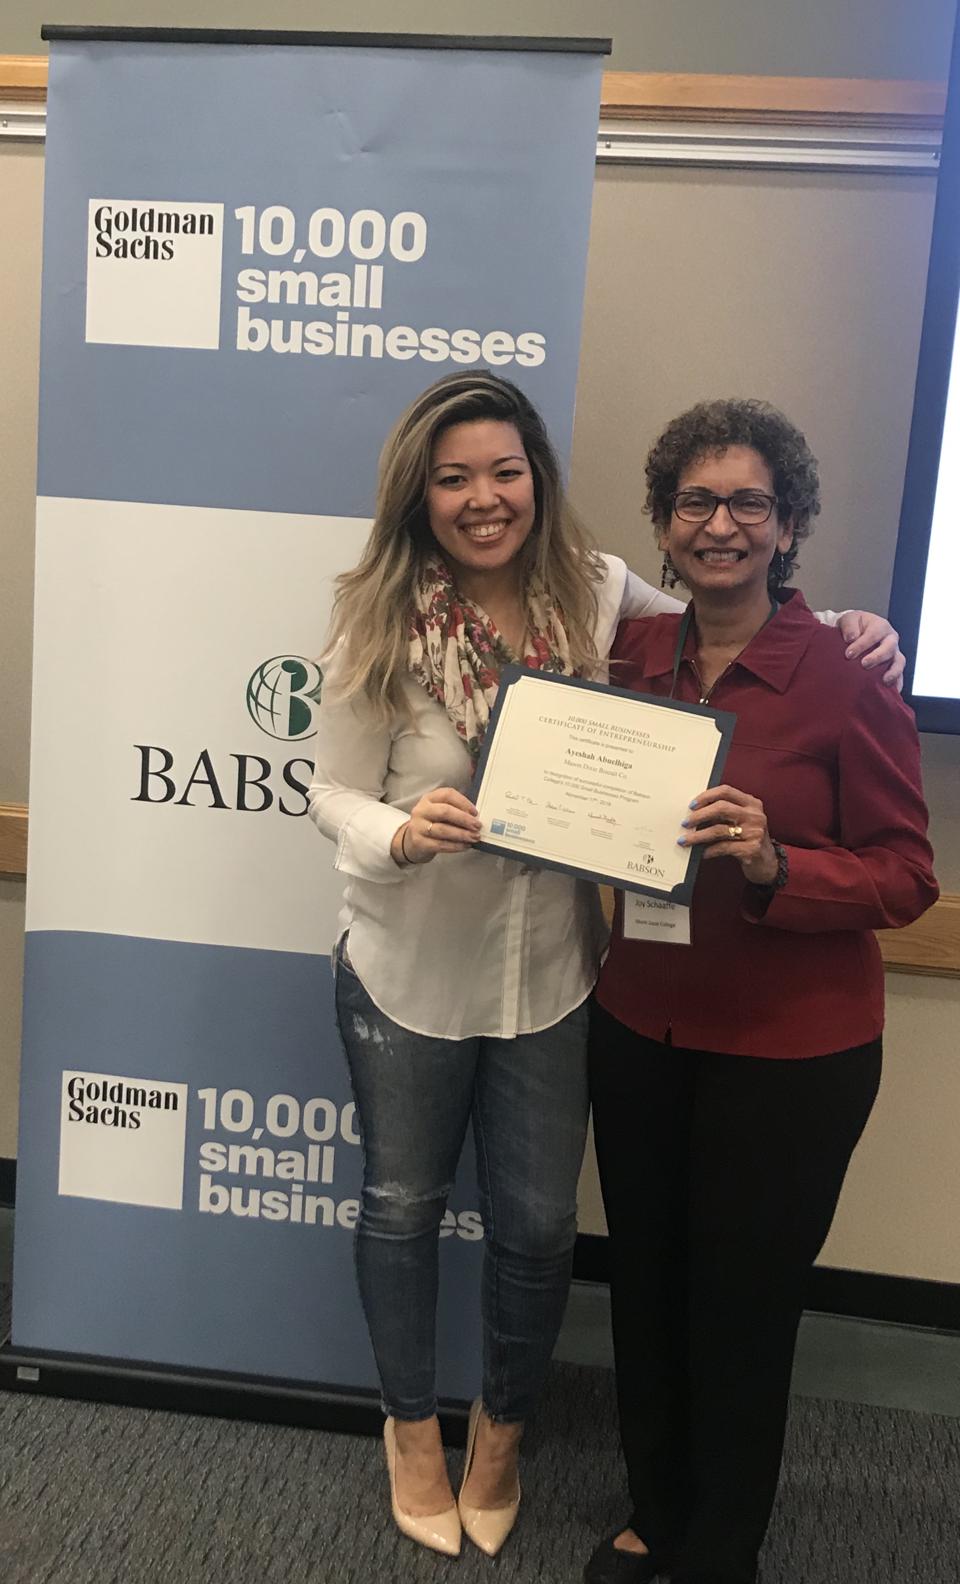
x: 254, y: 256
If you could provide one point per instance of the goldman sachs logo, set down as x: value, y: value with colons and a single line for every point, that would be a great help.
x: 281, y: 698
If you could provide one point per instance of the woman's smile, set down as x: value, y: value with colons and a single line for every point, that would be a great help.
x: 721, y: 553
x: 480, y: 497
x: 713, y: 557
x: 486, y: 531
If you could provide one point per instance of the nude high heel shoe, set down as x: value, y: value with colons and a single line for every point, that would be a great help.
x: 438, y: 1531
x: 487, y: 1527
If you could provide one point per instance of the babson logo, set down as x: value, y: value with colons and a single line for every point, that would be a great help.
x: 245, y: 783
x: 281, y: 696
x: 122, y: 1139
x: 646, y: 866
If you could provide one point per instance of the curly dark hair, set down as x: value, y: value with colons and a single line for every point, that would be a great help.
x: 711, y: 427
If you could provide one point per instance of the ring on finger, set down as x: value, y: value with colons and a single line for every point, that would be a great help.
x: 429, y: 828
x: 735, y: 832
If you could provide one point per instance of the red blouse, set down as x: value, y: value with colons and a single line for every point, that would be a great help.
x: 833, y: 755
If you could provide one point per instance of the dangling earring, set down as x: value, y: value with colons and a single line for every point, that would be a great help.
x: 669, y: 576
x: 778, y: 569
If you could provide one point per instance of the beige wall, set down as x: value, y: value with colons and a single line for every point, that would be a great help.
x: 808, y: 290
x: 21, y: 195
x: 900, y: 1208
x: 21, y: 188
x: 814, y: 38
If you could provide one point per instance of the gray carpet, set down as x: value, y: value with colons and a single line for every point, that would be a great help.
x: 103, y: 1495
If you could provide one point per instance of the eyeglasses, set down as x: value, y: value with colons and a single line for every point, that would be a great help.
x: 749, y: 508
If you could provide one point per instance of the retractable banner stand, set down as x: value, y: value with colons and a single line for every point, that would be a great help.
x: 258, y: 248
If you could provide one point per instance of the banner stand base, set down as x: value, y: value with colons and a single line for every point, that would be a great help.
x: 225, y: 1396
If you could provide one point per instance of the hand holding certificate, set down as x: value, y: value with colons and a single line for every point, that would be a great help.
x: 576, y: 775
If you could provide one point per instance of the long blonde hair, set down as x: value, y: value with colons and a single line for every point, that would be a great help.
x: 374, y: 602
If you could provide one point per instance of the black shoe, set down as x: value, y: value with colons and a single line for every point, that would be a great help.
x: 610, y: 1566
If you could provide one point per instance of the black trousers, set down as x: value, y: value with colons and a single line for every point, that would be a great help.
x: 720, y: 1177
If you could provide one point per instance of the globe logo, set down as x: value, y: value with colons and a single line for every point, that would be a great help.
x: 281, y: 695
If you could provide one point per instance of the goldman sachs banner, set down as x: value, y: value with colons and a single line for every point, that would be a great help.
x: 257, y: 249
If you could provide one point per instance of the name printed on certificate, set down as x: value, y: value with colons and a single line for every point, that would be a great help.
x: 595, y: 779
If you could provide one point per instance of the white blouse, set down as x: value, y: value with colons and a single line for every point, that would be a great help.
x: 470, y: 943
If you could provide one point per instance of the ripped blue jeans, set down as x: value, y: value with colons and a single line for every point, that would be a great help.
x: 415, y: 1095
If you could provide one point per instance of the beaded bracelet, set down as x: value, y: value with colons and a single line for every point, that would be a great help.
x: 780, y: 878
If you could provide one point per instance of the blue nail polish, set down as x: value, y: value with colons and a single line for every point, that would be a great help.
x: 685, y: 823
x: 681, y: 841
x: 693, y: 804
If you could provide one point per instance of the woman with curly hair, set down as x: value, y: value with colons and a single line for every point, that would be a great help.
x: 462, y: 983
x: 732, y: 1077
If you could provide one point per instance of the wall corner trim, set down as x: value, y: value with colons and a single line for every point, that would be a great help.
x: 798, y: 101
x: 13, y: 840
x: 23, y: 78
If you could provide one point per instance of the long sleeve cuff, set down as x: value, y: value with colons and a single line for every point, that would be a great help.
x: 835, y: 889
x: 363, y: 844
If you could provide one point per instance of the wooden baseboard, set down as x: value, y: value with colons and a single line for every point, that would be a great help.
x: 683, y: 96
x: 13, y: 839
x: 797, y: 101
x: 930, y: 946
x: 23, y: 78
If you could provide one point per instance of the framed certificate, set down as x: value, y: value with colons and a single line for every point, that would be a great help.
x: 595, y: 779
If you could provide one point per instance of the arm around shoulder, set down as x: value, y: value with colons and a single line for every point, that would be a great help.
x: 880, y: 873
x: 641, y: 599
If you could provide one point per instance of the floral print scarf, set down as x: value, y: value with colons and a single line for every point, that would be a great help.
x: 456, y: 652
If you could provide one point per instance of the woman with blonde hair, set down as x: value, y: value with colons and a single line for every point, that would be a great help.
x: 462, y: 986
